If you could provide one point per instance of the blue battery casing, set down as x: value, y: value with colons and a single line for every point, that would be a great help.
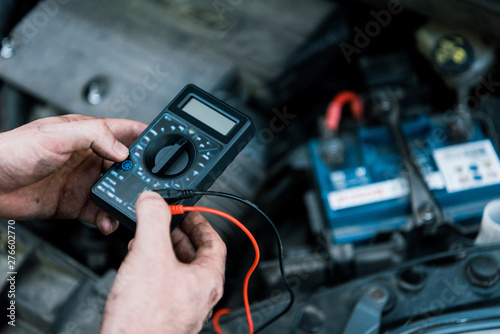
x: 369, y: 194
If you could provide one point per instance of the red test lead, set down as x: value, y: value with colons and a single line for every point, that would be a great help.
x: 180, y: 209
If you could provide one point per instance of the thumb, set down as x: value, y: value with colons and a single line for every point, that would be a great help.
x: 153, y: 224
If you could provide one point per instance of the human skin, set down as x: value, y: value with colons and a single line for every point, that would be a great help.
x: 166, y: 285
x: 47, y: 169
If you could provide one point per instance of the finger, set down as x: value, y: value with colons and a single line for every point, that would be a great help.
x: 126, y: 131
x: 105, y: 223
x: 210, y: 249
x: 153, y: 223
x: 92, y: 214
x: 131, y: 244
x: 89, y: 211
x: 114, y: 224
x: 84, y: 134
x: 183, y: 247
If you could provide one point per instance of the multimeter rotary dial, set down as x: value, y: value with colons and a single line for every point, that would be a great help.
x: 169, y: 156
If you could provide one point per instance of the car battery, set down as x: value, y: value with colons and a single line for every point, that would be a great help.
x: 369, y: 193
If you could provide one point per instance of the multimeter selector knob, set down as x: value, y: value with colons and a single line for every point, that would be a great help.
x: 169, y: 156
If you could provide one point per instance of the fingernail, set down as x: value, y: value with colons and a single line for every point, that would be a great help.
x: 120, y: 150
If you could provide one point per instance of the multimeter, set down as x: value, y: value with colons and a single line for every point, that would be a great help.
x: 187, y: 146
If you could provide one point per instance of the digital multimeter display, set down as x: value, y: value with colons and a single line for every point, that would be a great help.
x: 187, y: 146
x: 208, y: 115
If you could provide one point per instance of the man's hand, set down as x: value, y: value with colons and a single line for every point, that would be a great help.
x: 47, y: 167
x: 168, y: 283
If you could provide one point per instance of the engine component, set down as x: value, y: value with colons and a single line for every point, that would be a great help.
x: 332, y: 148
x: 423, y: 296
x: 483, y: 321
x: 369, y: 194
x: 162, y: 45
x: 52, y: 292
x: 461, y: 58
x: 7, y: 49
x: 463, y: 61
x: 424, y: 209
x: 367, y: 314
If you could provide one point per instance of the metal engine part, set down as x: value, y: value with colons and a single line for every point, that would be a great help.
x: 53, y: 293
x: 417, y: 296
x: 127, y: 59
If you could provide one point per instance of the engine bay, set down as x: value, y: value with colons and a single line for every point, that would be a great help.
x: 375, y: 153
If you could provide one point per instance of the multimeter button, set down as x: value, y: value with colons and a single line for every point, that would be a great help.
x: 207, y: 144
x: 127, y: 164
